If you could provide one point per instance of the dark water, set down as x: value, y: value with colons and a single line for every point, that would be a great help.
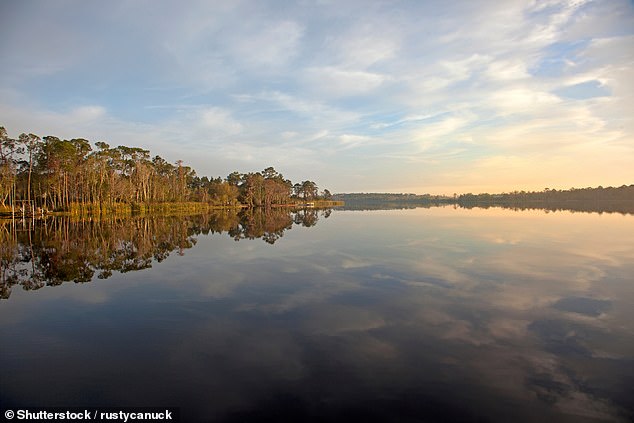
x: 409, y: 315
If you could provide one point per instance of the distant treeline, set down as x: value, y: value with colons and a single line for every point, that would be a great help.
x: 600, y: 199
x: 56, y: 174
x: 610, y: 199
x: 599, y: 194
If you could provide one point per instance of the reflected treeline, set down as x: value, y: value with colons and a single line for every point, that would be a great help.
x: 571, y: 206
x: 623, y: 207
x: 51, y: 251
x: 590, y: 200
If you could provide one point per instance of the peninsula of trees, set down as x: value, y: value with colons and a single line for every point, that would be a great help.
x: 55, y: 174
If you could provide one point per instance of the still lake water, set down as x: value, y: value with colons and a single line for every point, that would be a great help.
x: 436, y: 314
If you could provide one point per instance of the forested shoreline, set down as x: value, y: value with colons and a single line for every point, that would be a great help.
x: 53, y: 174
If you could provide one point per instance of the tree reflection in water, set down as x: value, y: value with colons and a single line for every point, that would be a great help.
x: 54, y: 250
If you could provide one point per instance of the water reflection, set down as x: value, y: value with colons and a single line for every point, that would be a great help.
x: 429, y: 314
x: 624, y: 205
x: 51, y: 251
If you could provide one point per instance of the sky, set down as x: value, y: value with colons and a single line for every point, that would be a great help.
x: 436, y: 97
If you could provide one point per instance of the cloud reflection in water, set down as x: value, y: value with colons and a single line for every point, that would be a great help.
x: 441, y: 313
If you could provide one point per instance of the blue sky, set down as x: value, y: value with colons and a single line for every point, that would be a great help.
x: 389, y: 96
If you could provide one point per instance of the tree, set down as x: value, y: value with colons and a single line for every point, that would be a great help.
x: 309, y: 190
x: 270, y: 173
x: 252, y: 189
x: 235, y: 178
x: 224, y: 193
x: 31, y: 143
x: 8, y: 151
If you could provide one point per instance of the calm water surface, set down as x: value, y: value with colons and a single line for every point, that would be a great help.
x: 407, y: 315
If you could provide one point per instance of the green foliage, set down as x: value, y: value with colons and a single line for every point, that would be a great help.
x: 69, y: 176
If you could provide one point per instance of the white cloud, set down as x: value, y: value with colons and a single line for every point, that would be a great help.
x: 219, y: 121
x: 351, y: 140
x: 517, y: 100
x: 438, y: 129
x: 287, y: 135
x: 312, y: 113
x: 365, y: 47
x: 338, y: 82
x: 87, y: 113
x: 507, y: 70
x: 274, y: 45
x: 406, y: 119
x: 68, y: 124
x: 458, y: 70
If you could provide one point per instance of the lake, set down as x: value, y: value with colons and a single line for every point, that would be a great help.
x: 426, y: 314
